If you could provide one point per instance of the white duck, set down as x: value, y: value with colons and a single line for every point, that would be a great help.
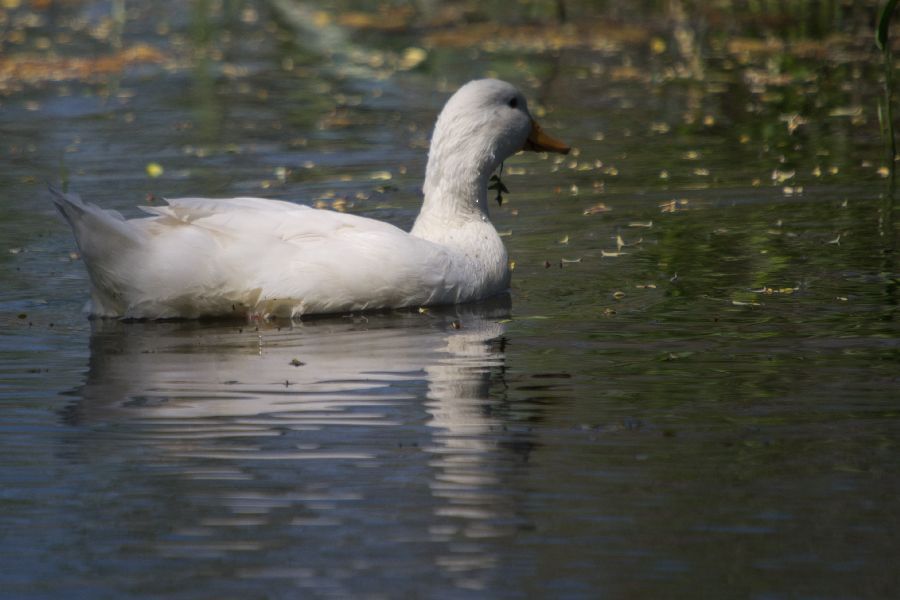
x: 250, y: 256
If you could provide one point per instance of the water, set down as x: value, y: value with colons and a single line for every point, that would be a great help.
x: 707, y: 406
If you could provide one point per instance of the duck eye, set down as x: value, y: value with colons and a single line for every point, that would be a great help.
x: 513, y: 103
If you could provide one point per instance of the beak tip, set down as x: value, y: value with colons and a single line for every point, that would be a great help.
x: 539, y: 141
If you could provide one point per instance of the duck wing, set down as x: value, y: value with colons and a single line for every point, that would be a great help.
x: 204, y: 256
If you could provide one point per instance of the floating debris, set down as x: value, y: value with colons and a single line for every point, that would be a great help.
x: 529, y: 318
x: 846, y: 111
x: 33, y: 69
x: 620, y: 243
x: 793, y: 122
x: 772, y: 291
x: 296, y: 362
x: 411, y: 58
x: 673, y: 205
x: 779, y: 176
x: 596, y: 209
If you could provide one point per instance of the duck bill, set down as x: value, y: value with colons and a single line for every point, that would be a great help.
x: 539, y: 141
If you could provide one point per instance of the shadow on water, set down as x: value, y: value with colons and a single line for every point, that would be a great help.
x: 274, y: 451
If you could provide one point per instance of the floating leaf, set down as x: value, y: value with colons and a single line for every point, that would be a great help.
x: 412, y: 57
x: 673, y: 205
x: 596, y: 209
x: 782, y: 176
x: 846, y: 111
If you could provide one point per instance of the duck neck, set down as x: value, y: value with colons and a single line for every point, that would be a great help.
x: 455, y: 190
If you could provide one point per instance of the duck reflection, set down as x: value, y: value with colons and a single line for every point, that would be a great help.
x: 378, y: 429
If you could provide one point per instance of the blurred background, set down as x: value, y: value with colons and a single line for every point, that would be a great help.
x: 759, y: 87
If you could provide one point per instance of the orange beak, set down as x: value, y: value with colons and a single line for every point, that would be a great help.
x: 538, y: 141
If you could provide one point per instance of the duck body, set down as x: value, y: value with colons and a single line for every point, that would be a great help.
x: 198, y: 257
x: 215, y: 257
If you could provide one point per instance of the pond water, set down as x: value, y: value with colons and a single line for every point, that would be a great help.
x: 690, y: 391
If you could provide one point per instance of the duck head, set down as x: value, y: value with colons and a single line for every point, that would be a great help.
x: 482, y: 124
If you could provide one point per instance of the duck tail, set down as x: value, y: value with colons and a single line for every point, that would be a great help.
x: 98, y: 232
x: 108, y: 245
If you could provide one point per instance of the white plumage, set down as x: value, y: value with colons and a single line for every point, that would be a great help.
x: 251, y: 256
